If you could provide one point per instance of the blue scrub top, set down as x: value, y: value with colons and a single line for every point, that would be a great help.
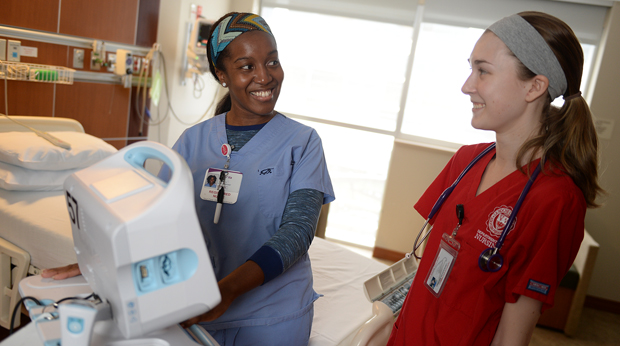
x: 284, y: 156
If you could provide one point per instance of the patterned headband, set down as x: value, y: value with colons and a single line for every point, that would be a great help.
x: 532, y: 50
x: 230, y: 28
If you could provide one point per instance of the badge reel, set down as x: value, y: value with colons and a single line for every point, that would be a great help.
x: 444, y: 259
x: 221, y: 185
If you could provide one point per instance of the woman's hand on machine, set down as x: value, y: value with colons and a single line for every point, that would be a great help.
x: 217, y: 311
x: 243, y: 279
x: 62, y: 273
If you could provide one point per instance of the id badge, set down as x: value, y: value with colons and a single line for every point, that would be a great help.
x: 442, y: 265
x: 212, y: 183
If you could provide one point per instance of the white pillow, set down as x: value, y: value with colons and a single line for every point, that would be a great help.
x: 27, y: 150
x: 22, y: 179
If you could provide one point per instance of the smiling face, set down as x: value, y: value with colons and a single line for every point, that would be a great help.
x: 254, y: 77
x: 498, y: 95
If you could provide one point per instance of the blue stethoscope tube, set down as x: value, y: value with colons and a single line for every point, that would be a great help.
x: 490, y: 260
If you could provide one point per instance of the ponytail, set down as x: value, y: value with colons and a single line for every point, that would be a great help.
x: 567, y: 140
x: 567, y: 137
x: 224, y: 105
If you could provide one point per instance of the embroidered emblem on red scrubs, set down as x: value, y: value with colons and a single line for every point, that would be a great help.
x: 539, y: 287
x: 498, y: 219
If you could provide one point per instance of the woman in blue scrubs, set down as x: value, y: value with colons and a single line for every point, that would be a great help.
x: 275, y: 182
x: 259, y: 244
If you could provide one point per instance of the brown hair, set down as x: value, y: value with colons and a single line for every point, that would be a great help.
x: 567, y: 136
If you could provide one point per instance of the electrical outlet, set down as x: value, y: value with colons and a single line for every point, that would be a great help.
x: 111, y: 62
x: 604, y: 128
x: 95, y: 61
x: 14, y: 51
x: 137, y: 63
x: 78, y: 58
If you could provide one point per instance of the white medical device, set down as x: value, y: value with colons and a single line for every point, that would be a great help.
x: 138, y: 244
x: 197, y: 46
x: 124, y: 62
x: 386, y: 291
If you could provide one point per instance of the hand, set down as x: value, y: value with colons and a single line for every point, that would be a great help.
x: 62, y: 273
x: 217, y: 311
x: 243, y: 279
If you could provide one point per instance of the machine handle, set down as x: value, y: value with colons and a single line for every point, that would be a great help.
x: 142, y: 151
x: 202, y: 336
x: 376, y: 330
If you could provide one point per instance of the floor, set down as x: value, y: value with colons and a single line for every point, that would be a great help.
x: 596, y: 327
x: 4, y: 333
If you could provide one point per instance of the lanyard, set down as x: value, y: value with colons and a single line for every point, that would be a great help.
x: 490, y: 260
x: 220, y: 193
x: 442, y: 198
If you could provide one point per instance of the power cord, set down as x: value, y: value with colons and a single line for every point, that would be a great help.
x: 55, y: 304
x: 18, y: 307
x: 169, y: 108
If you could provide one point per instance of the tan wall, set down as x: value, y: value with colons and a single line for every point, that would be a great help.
x: 604, y: 223
x: 174, y: 17
x: 413, y: 168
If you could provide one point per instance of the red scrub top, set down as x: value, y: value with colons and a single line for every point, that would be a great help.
x: 538, y: 251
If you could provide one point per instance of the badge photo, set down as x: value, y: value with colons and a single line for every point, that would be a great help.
x: 212, y: 184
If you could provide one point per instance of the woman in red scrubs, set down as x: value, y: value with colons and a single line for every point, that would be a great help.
x: 519, y: 66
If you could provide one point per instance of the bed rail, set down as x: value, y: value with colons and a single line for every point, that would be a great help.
x: 14, y: 264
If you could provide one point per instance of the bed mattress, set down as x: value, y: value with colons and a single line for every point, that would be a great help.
x: 339, y: 275
x: 38, y: 222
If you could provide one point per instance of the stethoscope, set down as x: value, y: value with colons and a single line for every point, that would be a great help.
x: 490, y: 260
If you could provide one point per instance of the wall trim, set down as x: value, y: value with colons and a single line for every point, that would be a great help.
x: 602, y: 304
x: 386, y: 254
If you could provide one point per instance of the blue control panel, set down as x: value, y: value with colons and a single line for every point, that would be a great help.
x: 164, y: 270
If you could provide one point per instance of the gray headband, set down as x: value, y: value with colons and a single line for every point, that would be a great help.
x: 532, y: 50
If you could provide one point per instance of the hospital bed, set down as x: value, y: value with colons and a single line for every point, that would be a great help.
x: 35, y: 233
x: 34, y: 229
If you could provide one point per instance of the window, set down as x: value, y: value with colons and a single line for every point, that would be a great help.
x: 357, y: 162
x: 344, y: 70
x: 440, y: 68
x: 355, y: 80
x: 346, y: 78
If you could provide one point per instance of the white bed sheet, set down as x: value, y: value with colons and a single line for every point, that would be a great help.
x: 339, y: 274
x: 38, y: 222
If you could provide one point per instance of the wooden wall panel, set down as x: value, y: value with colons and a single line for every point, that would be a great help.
x: 110, y: 20
x: 33, y: 14
x: 28, y: 98
x: 101, y: 108
x: 148, y: 17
